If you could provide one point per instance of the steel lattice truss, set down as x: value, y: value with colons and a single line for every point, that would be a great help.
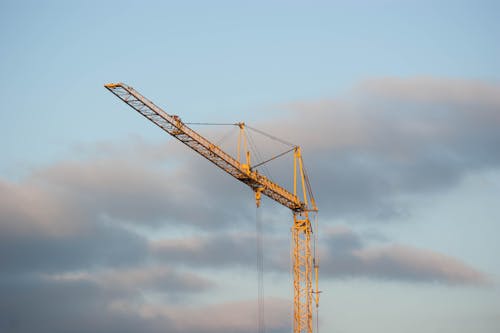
x: 302, y: 273
x: 175, y: 127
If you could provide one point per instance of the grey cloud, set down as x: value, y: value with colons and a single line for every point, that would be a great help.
x: 158, y: 279
x: 343, y: 253
x: 221, y: 250
x: 427, y: 89
x: 64, y: 267
x: 366, y: 152
x: 76, y: 305
x: 207, y: 251
x: 97, y: 246
x: 29, y: 305
x: 347, y: 255
x: 147, y: 193
x: 386, y: 139
x: 42, y: 231
x: 394, y: 137
x: 407, y: 263
x: 69, y: 264
x: 240, y: 317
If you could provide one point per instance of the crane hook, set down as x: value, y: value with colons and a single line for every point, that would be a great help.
x: 258, y: 192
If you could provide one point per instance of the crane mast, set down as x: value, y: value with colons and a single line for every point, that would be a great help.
x: 304, y: 265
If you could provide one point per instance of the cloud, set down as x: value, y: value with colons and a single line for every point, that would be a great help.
x: 97, y: 246
x: 43, y: 229
x: 348, y: 255
x: 219, y: 250
x: 407, y: 263
x: 240, y: 316
x: 343, y: 253
x: 391, y: 138
x: 158, y: 279
x: 69, y: 231
x: 434, y: 90
x: 76, y: 304
x: 66, y: 241
x: 71, y: 196
x: 31, y: 304
x: 28, y: 208
x: 235, y: 317
x: 144, y: 193
x: 367, y: 152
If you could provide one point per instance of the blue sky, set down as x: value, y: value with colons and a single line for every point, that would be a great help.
x: 395, y: 103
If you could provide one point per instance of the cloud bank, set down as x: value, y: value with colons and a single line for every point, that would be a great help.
x: 349, y: 255
x: 392, y: 137
x: 69, y: 231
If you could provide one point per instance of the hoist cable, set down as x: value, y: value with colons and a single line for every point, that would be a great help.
x: 317, y: 320
x: 260, y: 271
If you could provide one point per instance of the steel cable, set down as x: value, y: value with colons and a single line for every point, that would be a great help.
x: 260, y: 272
x: 271, y: 136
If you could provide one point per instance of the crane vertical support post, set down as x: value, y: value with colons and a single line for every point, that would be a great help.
x: 302, y: 176
x: 238, y: 148
x: 302, y: 260
x: 295, y: 171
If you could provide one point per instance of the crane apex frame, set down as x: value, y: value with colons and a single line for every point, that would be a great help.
x: 303, y: 261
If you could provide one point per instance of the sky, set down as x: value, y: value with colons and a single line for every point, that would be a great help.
x: 107, y: 224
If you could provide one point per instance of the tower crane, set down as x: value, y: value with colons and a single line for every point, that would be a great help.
x: 304, y: 264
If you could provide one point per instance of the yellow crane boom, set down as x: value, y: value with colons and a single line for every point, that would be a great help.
x: 303, y: 263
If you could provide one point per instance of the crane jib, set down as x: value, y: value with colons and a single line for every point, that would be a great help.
x: 173, y: 125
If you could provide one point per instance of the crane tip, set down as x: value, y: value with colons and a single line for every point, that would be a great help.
x: 112, y: 85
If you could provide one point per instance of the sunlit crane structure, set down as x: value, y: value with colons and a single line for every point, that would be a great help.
x: 300, y: 201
